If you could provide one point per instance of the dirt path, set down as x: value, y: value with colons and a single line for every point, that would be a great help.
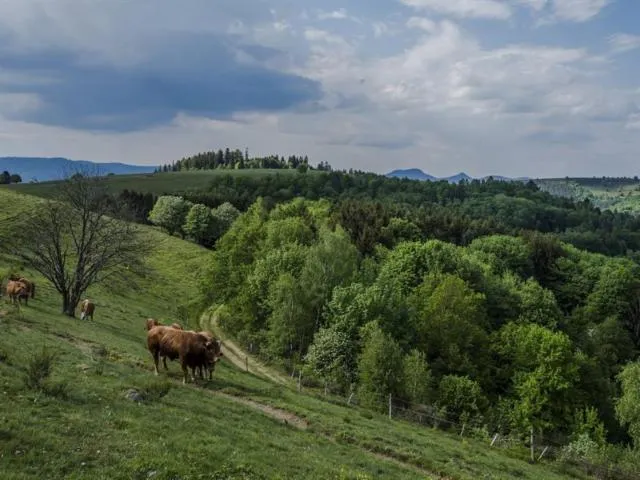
x: 238, y: 357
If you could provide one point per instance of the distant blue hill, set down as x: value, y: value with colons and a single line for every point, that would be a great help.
x: 55, y: 168
x: 417, y: 174
x: 412, y: 173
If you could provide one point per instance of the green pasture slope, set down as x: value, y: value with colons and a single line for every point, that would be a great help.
x: 156, y: 183
x: 603, y: 193
x: 82, y: 426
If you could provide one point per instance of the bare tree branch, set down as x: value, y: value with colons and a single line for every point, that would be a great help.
x: 75, y: 241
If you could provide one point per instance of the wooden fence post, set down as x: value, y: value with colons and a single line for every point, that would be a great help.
x: 462, y: 431
x: 533, y: 458
x: 389, y: 406
x: 246, y: 363
x: 349, y: 400
x: 495, y: 437
x: 300, y: 380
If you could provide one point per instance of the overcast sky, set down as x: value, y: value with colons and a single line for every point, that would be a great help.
x: 511, y: 87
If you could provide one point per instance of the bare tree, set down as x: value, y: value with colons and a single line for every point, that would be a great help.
x: 75, y: 240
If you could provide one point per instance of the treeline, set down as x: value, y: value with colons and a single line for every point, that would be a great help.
x: 195, y: 221
x: 6, y: 178
x: 449, y: 212
x: 235, y: 159
x: 606, y: 182
x: 511, y: 333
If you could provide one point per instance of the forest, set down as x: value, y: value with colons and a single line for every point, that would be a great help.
x: 508, y: 333
x: 7, y: 178
x: 366, y: 203
x: 236, y: 159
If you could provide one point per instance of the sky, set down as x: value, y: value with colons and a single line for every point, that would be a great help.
x: 505, y: 87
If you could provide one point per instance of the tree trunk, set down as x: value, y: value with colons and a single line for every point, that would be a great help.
x: 68, y: 308
x: 69, y: 303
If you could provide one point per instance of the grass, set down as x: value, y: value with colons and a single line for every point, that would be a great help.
x: 231, y: 427
x: 156, y: 183
x: 623, y: 197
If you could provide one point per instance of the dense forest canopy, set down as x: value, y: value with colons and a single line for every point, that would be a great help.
x: 515, y: 332
x: 453, y: 213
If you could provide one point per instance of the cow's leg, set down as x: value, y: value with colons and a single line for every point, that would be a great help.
x: 155, y: 355
x: 185, y: 372
x: 164, y: 361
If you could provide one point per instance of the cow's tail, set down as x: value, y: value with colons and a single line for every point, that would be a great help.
x: 33, y: 290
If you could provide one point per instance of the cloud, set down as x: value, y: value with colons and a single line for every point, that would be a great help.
x: 419, y: 82
x: 339, y: 14
x: 624, y: 42
x: 464, y: 8
x: 577, y: 11
x: 201, y: 74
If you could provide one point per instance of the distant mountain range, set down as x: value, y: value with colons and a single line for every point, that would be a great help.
x: 55, y: 168
x: 417, y: 174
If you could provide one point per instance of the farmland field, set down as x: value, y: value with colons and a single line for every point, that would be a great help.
x: 619, y: 196
x: 156, y: 183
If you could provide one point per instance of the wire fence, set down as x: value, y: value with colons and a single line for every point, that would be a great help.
x: 539, y: 447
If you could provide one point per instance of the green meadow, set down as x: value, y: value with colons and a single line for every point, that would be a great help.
x: 77, y: 422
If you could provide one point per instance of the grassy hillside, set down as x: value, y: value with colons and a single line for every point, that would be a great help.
x: 237, y: 426
x: 618, y: 196
x: 156, y: 183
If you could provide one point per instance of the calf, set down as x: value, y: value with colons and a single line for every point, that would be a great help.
x: 193, y: 349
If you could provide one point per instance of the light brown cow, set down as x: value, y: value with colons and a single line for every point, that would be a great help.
x: 87, y: 307
x: 192, y: 348
x: 152, y: 322
x: 31, y: 286
x: 17, y: 291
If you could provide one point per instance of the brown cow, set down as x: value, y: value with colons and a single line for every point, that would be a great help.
x: 217, y: 346
x: 31, y: 286
x: 87, y: 307
x: 17, y: 291
x: 192, y: 348
x: 152, y: 322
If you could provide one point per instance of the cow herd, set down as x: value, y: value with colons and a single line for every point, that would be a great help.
x: 195, y: 350
x: 198, y: 351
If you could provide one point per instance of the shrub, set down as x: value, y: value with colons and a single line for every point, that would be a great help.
x: 154, y: 390
x: 39, y: 369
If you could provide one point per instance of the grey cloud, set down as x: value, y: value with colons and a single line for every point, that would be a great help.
x: 196, y: 74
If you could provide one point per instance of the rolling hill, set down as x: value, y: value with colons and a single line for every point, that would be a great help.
x: 240, y: 425
x: 417, y: 174
x: 155, y: 183
x: 55, y: 168
x: 615, y: 194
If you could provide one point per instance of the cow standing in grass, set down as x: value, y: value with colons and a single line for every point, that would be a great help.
x: 192, y: 348
x: 87, y: 307
x: 30, y: 286
x: 217, y: 346
x: 152, y: 322
x: 16, y: 291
